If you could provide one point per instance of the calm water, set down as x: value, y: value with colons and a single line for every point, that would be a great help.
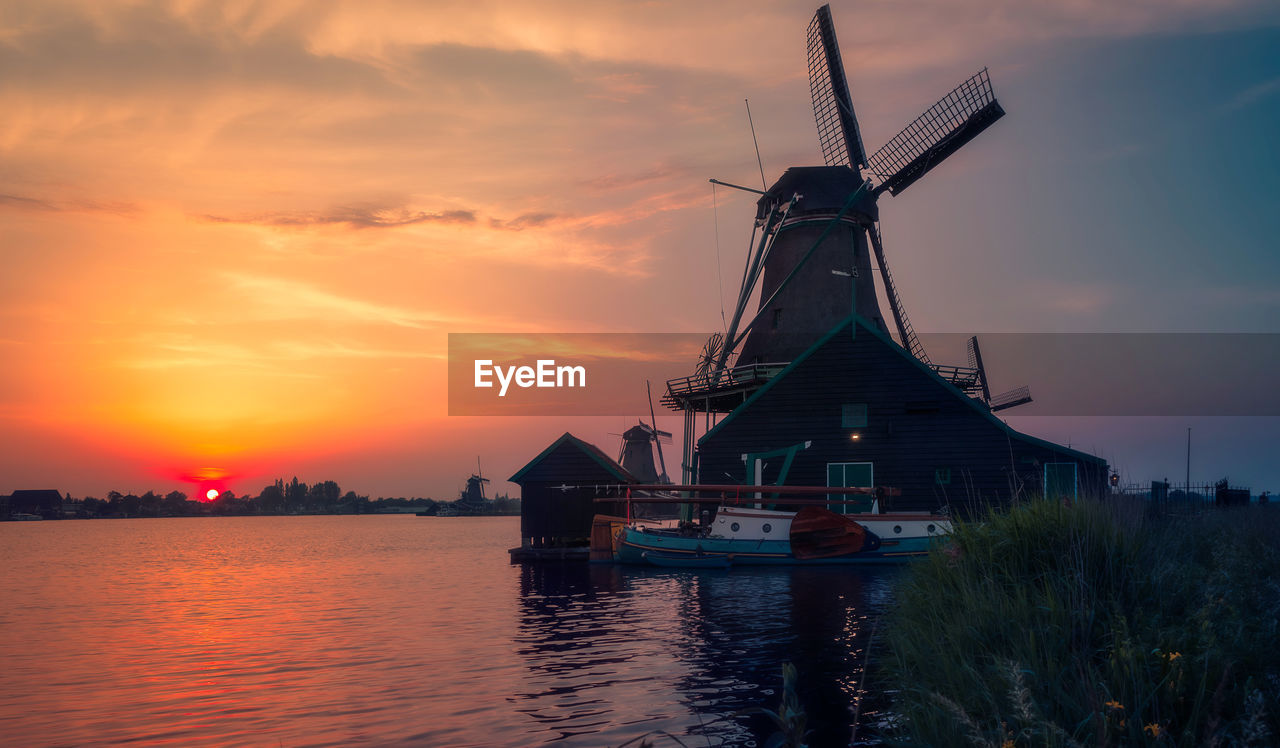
x: 400, y: 630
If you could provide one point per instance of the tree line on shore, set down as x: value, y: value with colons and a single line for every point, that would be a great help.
x: 294, y: 497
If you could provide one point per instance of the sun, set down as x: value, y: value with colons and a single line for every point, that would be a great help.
x: 211, y: 494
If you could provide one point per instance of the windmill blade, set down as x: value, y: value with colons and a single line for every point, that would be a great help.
x: 652, y: 432
x: 975, y: 363
x: 1011, y: 399
x: 838, y: 132
x: 942, y: 130
x: 906, y: 333
x: 658, y: 442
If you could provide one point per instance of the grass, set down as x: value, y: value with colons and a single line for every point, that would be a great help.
x: 1091, y: 625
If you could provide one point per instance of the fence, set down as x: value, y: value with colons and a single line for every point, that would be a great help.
x: 1180, y: 498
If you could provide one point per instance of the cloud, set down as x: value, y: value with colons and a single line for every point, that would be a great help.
x: 656, y: 173
x: 28, y: 203
x: 19, y: 202
x: 168, y: 351
x: 356, y: 216
x: 289, y: 299
x: 1254, y: 94
x: 153, y: 45
x: 524, y: 221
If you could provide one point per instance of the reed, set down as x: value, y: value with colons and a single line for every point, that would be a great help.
x: 1090, y: 624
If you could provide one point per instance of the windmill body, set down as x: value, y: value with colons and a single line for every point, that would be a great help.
x: 834, y: 281
x: 472, y: 498
x: 638, y: 445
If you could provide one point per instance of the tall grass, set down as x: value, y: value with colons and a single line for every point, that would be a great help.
x: 1091, y: 625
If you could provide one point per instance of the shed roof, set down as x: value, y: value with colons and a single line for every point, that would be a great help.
x: 591, y: 450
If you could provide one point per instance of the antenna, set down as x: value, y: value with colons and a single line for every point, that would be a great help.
x: 759, y: 163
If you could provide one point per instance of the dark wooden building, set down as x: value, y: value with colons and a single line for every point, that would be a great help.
x: 44, y: 502
x: 558, y: 491
x: 872, y: 414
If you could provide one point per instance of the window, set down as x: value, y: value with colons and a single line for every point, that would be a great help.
x: 850, y: 474
x: 777, y: 318
x: 942, y: 476
x: 853, y: 415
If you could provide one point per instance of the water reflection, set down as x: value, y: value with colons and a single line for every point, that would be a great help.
x: 616, y: 652
x: 336, y: 631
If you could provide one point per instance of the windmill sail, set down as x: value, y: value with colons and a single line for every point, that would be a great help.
x: 906, y: 333
x: 832, y: 107
x: 956, y: 119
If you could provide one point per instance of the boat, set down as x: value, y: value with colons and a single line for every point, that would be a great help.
x: 746, y: 535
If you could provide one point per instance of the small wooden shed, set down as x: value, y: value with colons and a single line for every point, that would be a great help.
x: 558, y: 490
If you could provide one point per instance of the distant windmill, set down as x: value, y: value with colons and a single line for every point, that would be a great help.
x: 818, y: 226
x: 473, y: 497
x: 639, y: 443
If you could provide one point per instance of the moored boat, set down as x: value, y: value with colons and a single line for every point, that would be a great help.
x: 743, y: 535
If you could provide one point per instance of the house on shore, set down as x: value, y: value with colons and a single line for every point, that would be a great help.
x: 44, y: 502
x: 857, y: 409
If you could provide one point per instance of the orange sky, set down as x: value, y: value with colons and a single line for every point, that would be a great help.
x: 236, y: 234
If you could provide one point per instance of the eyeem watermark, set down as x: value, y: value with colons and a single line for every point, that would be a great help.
x: 544, y: 374
x: 1069, y: 374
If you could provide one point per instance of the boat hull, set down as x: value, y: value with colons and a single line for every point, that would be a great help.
x: 638, y: 546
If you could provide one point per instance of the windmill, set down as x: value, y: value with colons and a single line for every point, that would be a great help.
x: 815, y: 230
x: 818, y: 226
x: 639, y: 443
x: 472, y: 497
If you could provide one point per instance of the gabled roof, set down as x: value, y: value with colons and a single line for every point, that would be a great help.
x: 590, y: 450
x: 867, y: 327
x: 37, y: 494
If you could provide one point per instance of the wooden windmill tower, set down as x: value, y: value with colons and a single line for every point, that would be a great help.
x: 815, y: 230
x: 472, y: 497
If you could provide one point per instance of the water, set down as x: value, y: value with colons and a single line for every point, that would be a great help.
x: 401, y: 630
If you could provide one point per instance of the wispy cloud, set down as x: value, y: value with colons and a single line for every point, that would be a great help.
x: 28, y: 203
x: 356, y: 216
x: 1254, y: 94
x: 170, y: 351
x: 20, y: 202
x: 290, y: 299
x: 524, y: 221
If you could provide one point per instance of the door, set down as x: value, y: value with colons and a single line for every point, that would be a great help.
x: 850, y: 474
x: 1061, y: 481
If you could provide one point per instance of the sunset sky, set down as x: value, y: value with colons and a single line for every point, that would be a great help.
x: 236, y: 235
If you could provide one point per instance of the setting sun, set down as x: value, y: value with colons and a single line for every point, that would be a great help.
x: 211, y: 494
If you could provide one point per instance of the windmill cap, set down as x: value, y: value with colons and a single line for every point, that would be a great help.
x: 823, y: 189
